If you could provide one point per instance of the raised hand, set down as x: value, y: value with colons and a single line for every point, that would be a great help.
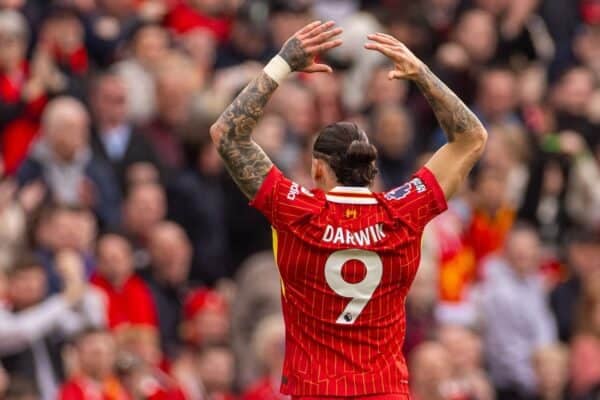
x: 301, y: 49
x: 408, y: 66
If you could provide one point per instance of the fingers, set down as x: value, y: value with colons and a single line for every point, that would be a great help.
x: 316, y: 30
x: 383, y: 49
x: 319, y: 68
x: 308, y: 28
x: 324, y: 46
x: 322, y: 37
x: 383, y: 39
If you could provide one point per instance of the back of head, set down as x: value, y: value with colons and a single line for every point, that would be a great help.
x: 346, y: 149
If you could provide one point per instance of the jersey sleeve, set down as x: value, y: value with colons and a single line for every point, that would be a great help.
x: 419, y: 200
x: 281, y: 200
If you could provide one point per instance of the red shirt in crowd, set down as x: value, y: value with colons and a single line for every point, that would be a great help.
x: 18, y: 133
x: 82, y: 388
x: 184, y: 18
x: 347, y: 259
x: 265, y: 389
x: 130, y: 304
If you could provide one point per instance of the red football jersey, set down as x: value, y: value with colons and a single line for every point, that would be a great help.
x: 347, y: 259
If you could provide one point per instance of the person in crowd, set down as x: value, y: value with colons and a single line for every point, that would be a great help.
x: 148, y: 46
x: 63, y: 161
x: 431, y: 372
x: 170, y: 260
x: 214, y: 369
x: 466, y: 353
x: 254, y: 301
x: 23, y: 90
x: 145, y: 205
x: 95, y: 377
x: 268, y: 346
x: 196, y: 199
x: 129, y: 301
x: 582, y: 252
x: 215, y: 16
x: 33, y: 328
x: 492, y: 215
x: 516, y: 318
x: 206, y: 319
x: 115, y: 139
x: 60, y: 228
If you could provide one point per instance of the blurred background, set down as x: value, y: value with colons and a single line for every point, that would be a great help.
x: 131, y: 267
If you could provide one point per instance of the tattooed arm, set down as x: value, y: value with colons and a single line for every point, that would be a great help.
x: 466, y: 135
x: 232, y: 133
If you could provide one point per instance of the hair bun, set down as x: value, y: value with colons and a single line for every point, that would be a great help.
x: 360, y: 153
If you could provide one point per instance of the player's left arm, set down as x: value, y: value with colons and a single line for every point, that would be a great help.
x: 232, y: 132
x: 466, y: 135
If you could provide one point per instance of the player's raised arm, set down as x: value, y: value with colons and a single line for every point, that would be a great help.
x: 232, y: 133
x: 466, y: 135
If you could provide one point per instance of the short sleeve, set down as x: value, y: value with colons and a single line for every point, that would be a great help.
x: 419, y: 200
x: 281, y: 200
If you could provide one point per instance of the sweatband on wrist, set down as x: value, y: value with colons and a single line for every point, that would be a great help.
x: 277, y: 69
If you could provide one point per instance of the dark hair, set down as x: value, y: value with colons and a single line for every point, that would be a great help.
x: 346, y: 148
x: 24, y: 262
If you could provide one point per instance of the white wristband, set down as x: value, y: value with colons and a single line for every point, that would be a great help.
x: 277, y: 69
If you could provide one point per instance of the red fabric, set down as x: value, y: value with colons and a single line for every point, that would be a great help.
x: 18, y: 134
x: 487, y: 233
x: 202, y: 299
x: 130, y: 304
x: 333, y: 347
x: 376, y: 397
x: 264, y: 390
x: 184, y: 18
x: 77, y: 61
x: 84, y: 389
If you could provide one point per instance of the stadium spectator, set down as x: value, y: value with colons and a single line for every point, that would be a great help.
x: 149, y: 45
x: 144, y: 207
x: 206, y: 319
x: 95, y: 377
x: 63, y: 161
x: 115, y: 139
x: 22, y: 90
x: 33, y: 329
x: 517, y: 320
x: 170, y: 259
x: 582, y: 251
x: 268, y: 346
x: 129, y: 301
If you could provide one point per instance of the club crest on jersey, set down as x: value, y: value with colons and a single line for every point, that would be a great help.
x: 402, y: 191
x: 351, y: 213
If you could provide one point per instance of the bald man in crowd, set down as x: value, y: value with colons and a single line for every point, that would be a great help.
x: 62, y: 160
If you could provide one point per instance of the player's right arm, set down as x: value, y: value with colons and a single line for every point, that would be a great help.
x: 232, y: 133
x: 466, y: 135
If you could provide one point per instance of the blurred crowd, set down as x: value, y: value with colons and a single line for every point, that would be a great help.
x: 131, y: 267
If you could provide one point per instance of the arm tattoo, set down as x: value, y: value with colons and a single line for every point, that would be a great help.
x: 246, y: 161
x: 454, y: 116
x: 293, y: 53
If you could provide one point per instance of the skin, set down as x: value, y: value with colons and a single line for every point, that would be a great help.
x: 249, y: 165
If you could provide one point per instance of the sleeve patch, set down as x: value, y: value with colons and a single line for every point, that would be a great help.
x: 401, y: 192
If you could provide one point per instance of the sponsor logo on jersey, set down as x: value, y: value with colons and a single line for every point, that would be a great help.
x: 370, y: 235
x: 296, y: 189
x: 402, y: 191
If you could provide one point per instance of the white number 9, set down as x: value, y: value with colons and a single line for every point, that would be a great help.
x: 360, y: 292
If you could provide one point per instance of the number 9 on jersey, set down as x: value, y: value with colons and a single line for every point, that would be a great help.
x: 360, y: 292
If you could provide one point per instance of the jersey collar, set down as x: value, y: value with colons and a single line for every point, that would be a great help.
x: 351, y: 195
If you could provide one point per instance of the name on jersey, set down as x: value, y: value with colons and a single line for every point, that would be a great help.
x: 401, y: 192
x: 364, y: 237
